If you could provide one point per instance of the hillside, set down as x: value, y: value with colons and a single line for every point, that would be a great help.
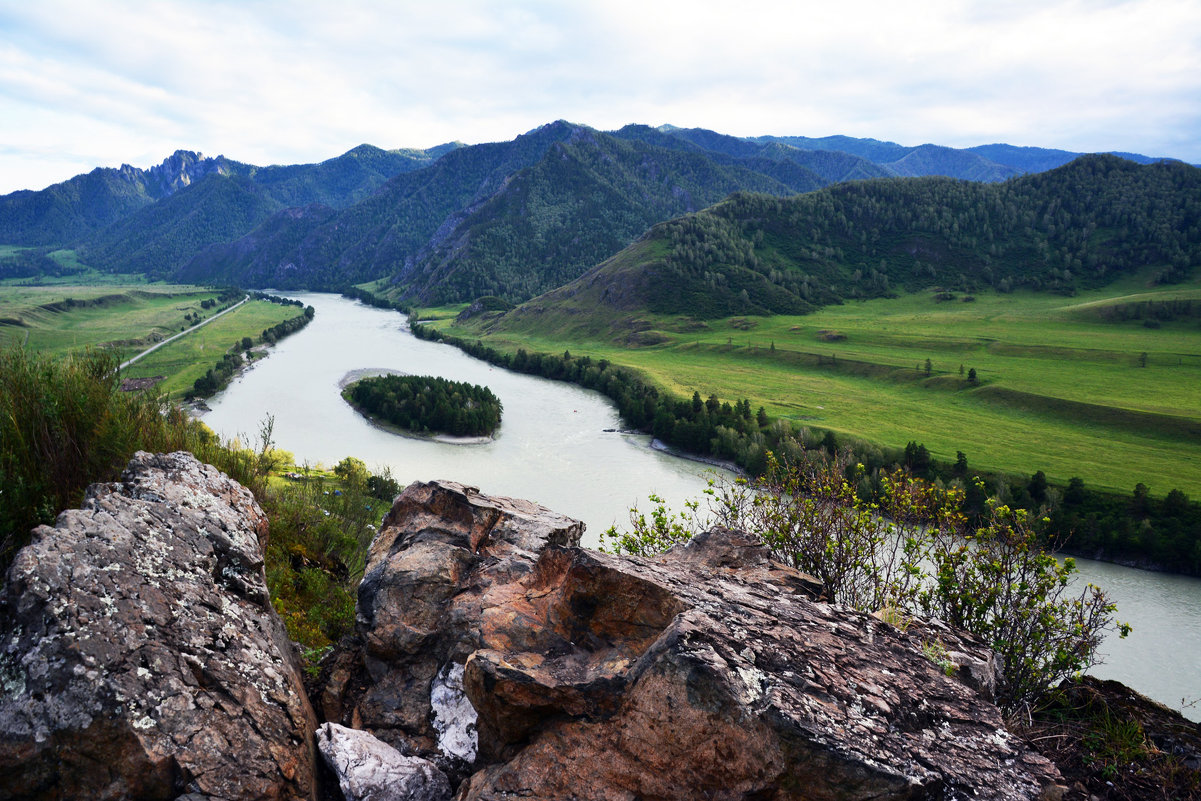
x: 510, y: 219
x: 1082, y: 225
x: 584, y: 200
x: 156, y: 239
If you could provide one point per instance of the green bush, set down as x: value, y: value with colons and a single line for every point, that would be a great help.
x: 64, y: 424
x: 912, y: 552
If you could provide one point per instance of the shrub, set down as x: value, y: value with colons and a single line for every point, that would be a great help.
x: 913, y: 551
x: 64, y: 424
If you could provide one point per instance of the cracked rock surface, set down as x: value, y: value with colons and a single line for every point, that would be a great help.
x: 528, y: 667
x: 141, y: 656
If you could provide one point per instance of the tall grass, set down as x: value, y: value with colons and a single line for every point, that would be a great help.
x: 64, y: 424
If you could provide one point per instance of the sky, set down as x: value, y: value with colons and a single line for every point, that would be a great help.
x: 99, y: 83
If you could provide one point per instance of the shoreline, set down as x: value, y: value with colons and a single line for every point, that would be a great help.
x: 370, y: 372
x: 662, y: 447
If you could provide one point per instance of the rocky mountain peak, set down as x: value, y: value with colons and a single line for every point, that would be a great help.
x: 182, y: 169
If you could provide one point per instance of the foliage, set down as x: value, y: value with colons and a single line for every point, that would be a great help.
x: 665, y: 529
x: 428, y: 403
x: 371, y: 299
x: 1081, y: 225
x: 220, y: 374
x: 915, y: 552
x: 936, y: 652
x: 320, y: 530
x: 64, y: 424
x: 34, y: 263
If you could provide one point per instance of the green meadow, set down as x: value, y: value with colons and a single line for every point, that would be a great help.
x: 1059, y: 387
x: 188, y: 358
x: 129, y: 319
x: 68, y: 317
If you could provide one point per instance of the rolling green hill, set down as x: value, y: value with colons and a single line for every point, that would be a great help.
x: 1079, y: 226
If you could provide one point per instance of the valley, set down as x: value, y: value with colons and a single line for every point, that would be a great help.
x: 129, y: 318
x: 1058, y: 388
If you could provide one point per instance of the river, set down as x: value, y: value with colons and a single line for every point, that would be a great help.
x: 561, y: 446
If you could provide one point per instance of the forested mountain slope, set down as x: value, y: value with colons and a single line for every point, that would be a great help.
x: 511, y: 219
x: 66, y: 212
x: 1080, y: 225
x: 453, y: 223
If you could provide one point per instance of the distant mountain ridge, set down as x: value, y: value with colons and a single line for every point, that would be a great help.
x: 995, y: 162
x: 68, y: 212
x: 455, y: 222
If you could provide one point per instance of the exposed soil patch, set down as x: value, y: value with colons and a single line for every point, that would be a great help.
x: 1112, y: 744
x: 138, y: 384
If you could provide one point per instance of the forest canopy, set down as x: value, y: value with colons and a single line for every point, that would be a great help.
x: 428, y: 404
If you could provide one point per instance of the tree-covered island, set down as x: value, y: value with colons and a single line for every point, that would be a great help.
x: 427, y: 404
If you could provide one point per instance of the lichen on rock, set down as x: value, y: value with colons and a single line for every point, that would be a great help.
x: 142, y: 657
x: 709, y: 671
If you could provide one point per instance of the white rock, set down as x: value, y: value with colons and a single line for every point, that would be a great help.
x: 454, y: 717
x: 369, y: 769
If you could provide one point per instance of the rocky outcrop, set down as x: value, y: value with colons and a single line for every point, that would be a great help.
x: 403, y: 682
x: 527, y: 667
x: 494, y: 658
x: 141, y: 657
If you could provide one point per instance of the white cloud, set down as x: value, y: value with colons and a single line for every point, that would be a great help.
x: 280, y: 82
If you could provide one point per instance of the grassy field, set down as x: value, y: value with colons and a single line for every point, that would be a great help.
x: 80, y: 274
x: 1059, y: 388
x: 189, y: 357
x: 67, y: 317
x: 130, y: 318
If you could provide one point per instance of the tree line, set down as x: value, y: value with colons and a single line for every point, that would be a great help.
x: 219, y: 375
x: 428, y: 404
x: 1089, y: 522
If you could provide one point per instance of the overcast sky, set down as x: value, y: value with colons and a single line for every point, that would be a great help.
x: 87, y: 83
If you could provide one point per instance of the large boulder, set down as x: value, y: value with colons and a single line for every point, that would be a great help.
x: 418, y: 625
x: 528, y: 667
x: 141, y: 657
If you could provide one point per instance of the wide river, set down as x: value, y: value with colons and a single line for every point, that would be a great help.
x: 560, y: 445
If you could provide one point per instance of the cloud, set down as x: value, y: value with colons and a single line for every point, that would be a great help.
x: 275, y: 82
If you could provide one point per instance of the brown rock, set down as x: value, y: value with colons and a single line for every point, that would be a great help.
x: 710, y: 671
x: 141, y: 656
x: 420, y: 610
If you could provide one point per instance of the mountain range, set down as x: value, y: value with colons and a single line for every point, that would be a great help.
x: 455, y: 222
x: 1081, y: 225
